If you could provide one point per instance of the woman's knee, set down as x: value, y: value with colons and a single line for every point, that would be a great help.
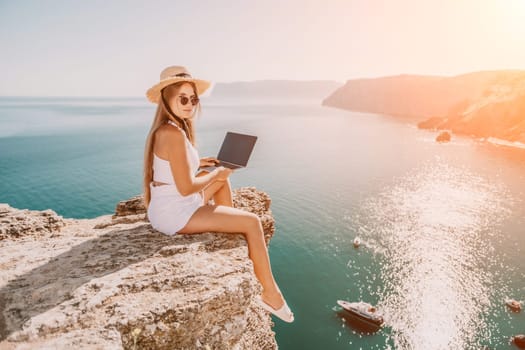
x: 253, y: 222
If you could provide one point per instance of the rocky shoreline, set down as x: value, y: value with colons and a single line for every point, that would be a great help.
x: 113, y: 282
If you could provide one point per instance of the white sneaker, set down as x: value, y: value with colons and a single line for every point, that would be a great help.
x: 284, y: 313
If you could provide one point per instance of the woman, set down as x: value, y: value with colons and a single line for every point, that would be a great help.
x: 176, y: 196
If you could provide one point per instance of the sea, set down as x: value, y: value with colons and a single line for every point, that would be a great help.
x: 441, y: 225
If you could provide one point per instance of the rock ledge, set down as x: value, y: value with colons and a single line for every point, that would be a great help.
x: 113, y: 282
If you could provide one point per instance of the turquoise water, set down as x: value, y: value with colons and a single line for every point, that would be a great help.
x: 442, y: 225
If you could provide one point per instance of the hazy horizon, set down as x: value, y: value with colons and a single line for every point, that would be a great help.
x: 251, y: 81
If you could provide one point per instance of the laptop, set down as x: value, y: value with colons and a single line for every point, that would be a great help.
x: 235, y: 151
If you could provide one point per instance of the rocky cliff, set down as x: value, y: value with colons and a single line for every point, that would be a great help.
x: 113, y: 282
x: 416, y: 96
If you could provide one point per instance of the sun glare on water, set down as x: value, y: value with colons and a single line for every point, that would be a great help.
x: 432, y: 230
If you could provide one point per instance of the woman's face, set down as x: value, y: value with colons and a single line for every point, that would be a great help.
x: 175, y: 97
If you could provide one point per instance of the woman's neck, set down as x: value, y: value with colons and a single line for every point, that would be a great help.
x: 173, y: 122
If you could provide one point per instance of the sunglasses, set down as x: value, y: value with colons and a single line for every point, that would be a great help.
x: 184, y: 100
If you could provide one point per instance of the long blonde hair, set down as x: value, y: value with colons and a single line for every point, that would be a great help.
x: 161, y: 117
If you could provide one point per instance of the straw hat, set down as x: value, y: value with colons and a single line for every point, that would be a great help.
x: 171, y: 75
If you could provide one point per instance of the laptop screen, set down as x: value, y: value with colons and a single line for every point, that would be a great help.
x: 237, y: 148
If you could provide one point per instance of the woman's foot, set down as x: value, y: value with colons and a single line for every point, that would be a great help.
x: 275, y: 304
x: 275, y: 299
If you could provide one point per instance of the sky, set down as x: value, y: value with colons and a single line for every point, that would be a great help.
x: 118, y: 48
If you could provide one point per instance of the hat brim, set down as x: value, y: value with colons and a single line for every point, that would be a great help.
x: 153, y: 93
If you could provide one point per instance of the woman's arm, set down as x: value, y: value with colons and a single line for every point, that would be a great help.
x: 185, y: 181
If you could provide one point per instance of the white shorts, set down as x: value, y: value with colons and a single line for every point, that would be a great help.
x: 168, y: 211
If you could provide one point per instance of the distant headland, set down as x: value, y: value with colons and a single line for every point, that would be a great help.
x: 485, y: 104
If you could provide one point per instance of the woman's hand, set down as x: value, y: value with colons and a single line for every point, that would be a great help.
x: 208, y: 161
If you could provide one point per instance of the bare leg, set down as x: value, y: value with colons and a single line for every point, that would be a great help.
x: 223, y: 196
x: 258, y: 252
x: 232, y: 220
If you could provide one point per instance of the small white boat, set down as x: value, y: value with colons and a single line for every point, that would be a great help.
x: 363, y: 311
x: 357, y: 242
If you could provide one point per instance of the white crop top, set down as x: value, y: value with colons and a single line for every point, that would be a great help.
x: 161, y: 167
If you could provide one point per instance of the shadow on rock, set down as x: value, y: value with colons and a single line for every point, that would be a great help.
x: 52, y: 283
